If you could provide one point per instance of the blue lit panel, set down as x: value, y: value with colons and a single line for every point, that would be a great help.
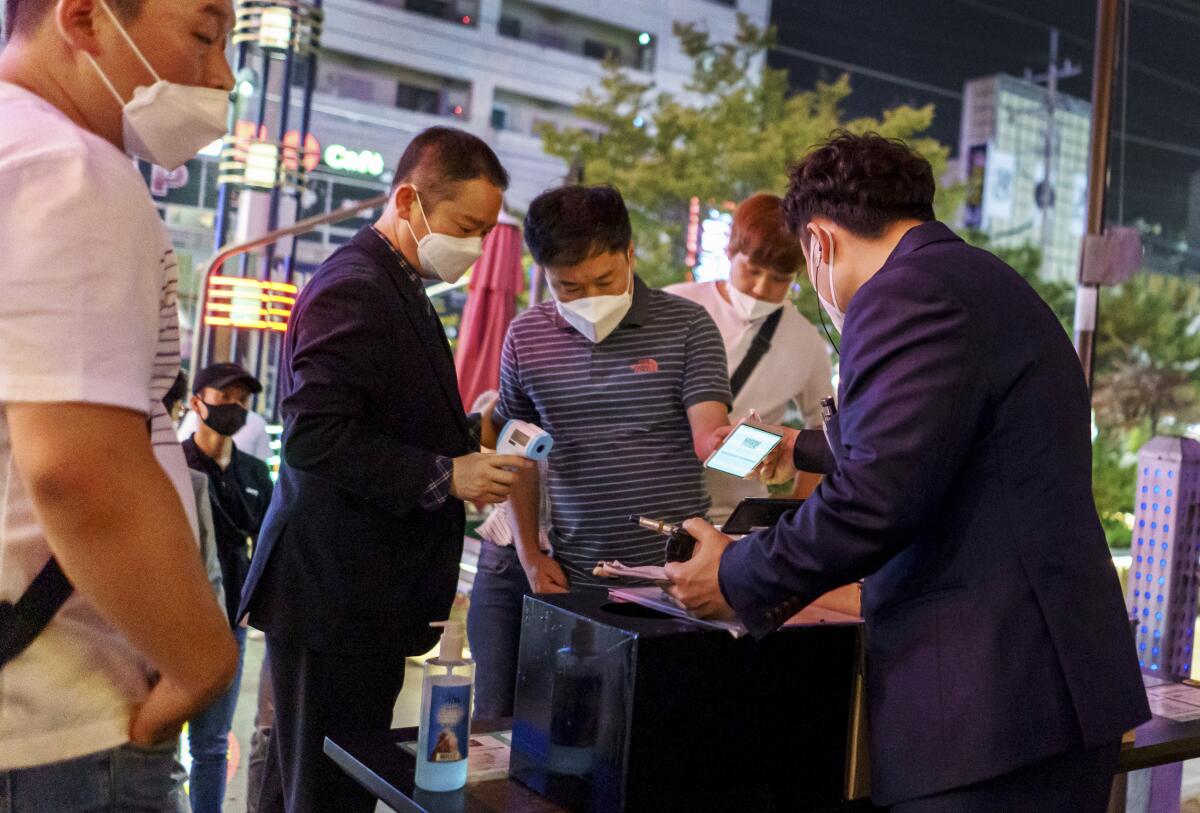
x: 1162, y: 589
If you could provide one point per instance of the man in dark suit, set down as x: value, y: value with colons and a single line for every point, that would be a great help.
x: 1000, y: 665
x: 360, y: 549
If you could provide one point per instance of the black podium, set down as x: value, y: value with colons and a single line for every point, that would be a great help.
x: 621, y: 708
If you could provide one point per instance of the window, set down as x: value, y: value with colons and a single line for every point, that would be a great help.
x: 600, y: 50
x: 416, y: 98
x: 510, y: 27
x: 499, y: 118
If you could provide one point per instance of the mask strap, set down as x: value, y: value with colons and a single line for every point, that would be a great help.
x: 104, y: 79
x: 428, y: 230
x: 832, y: 287
x: 129, y: 39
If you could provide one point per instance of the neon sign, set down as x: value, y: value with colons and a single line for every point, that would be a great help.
x: 361, y: 162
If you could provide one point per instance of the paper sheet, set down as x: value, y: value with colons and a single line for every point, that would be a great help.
x: 616, y: 570
x: 1175, y: 701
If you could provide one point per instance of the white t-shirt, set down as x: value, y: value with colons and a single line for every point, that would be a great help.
x: 251, y: 438
x: 87, y: 314
x: 795, y: 371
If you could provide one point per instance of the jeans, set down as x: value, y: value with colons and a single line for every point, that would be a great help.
x: 494, y: 628
x: 128, y: 779
x: 208, y: 738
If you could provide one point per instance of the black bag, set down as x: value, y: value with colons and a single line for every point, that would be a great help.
x: 758, y: 348
x: 24, y: 621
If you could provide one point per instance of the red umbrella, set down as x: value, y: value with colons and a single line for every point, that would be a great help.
x: 491, y: 305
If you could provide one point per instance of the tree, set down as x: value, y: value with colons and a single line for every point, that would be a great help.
x: 733, y: 133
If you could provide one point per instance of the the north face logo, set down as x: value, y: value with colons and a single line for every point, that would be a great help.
x: 645, y: 366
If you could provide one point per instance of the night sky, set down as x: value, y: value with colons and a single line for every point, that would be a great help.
x: 942, y: 43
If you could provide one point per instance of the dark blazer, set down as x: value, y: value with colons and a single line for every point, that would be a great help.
x: 996, y: 631
x: 348, y: 562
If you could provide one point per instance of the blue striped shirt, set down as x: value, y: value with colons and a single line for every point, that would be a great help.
x: 617, y: 411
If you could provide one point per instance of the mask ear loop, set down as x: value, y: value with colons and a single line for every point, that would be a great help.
x: 129, y: 40
x: 137, y: 51
x: 816, y: 258
x: 408, y: 222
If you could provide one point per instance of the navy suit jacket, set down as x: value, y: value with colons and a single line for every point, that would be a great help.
x: 996, y: 630
x: 348, y: 562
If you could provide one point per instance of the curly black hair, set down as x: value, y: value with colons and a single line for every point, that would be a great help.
x: 863, y: 183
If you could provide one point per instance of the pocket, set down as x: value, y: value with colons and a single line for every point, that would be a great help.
x: 144, y: 777
x: 496, y: 559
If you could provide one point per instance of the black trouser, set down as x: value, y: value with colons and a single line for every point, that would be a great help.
x: 1075, y: 782
x: 318, y: 695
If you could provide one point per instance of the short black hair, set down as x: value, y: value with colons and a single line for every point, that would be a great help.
x: 176, y: 392
x: 24, y: 16
x: 863, y: 183
x: 440, y: 158
x: 570, y: 224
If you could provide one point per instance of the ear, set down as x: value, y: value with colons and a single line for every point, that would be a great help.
x: 76, y: 21
x: 194, y: 402
x: 404, y: 199
x: 631, y: 256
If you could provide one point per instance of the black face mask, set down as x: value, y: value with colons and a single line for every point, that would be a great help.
x: 225, y: 419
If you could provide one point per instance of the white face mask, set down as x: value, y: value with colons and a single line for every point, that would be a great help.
x: 836, y: 315
x: 595, y: 317
x: 748, y: 307
x: 166, y: 123
x: 444, y: 255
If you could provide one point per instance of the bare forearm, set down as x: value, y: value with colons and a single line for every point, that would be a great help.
x: 118, y: 528
x: 524, y: 514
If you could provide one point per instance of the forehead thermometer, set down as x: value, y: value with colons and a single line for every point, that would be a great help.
x: 524, y: 439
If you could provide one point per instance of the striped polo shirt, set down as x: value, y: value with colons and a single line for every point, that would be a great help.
x: 617, y: 411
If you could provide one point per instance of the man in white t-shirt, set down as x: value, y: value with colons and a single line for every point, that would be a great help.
x: 764, y: 260
x: 91, y: 476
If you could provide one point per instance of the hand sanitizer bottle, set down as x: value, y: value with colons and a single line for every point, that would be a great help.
x: 445, y: 713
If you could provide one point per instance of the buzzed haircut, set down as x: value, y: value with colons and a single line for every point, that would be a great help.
x: 24, y: 16
x: 441, y: 158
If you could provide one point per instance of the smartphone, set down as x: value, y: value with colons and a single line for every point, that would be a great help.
x: 744, y: 449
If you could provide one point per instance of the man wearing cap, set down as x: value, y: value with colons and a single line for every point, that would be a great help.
x: 239, y: 490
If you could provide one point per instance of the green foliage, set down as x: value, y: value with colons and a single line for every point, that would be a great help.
x: 733, y: 133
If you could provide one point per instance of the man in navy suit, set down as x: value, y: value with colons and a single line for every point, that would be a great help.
x: 1001, y: 671
x: 360, y: 548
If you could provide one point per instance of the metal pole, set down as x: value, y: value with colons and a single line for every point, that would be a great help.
x: 1049, y: 200
x: 1087, y: 297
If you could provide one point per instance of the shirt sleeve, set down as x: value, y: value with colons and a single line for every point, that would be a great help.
x: 705, y: 373
x: 514, y: 403
x: 438, y: 490
x: 81, y: 282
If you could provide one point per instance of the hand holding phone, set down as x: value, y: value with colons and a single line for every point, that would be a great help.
x: 745, y: 448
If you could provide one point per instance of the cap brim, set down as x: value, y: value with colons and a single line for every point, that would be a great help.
x: 250, y: 381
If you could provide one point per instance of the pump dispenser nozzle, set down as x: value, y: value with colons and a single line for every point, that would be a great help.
x: 454, y: 635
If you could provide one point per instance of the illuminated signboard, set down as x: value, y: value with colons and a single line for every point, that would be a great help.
x: 712, y: 262
x: 360, y: 162
x: 249, y: 303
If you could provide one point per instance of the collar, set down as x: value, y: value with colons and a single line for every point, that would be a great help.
x: 920, y: 236
x: 198, y: 459
x: 372, y: 241
x: 639, y: 311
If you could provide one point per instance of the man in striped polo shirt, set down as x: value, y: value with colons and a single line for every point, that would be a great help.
x: 632, y: 384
